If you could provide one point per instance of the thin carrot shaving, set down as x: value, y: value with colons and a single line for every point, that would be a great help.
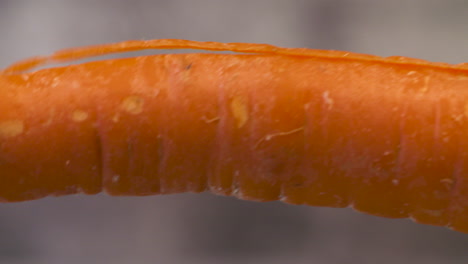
x: 136, y: 45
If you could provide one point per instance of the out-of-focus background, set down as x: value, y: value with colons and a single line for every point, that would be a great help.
x: 204, y: 228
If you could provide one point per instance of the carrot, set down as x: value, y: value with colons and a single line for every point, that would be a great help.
x: 386, y: 136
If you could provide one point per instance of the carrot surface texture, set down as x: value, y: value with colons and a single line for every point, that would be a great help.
x: 387, y: 136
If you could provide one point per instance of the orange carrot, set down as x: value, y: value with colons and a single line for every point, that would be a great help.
x: 386, y: 136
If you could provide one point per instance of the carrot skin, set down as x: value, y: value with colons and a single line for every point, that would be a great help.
x: 386, y: 137
x: 50, y: 148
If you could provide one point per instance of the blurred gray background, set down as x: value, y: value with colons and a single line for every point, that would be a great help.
x: 204, y: 228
